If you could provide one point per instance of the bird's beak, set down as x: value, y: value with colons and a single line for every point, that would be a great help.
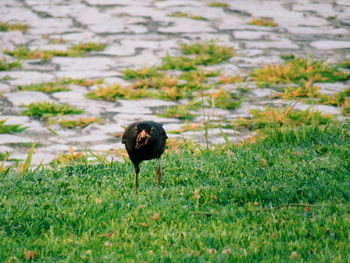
x: 142, y: 139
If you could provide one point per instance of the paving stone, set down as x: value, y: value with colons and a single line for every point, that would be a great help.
x: 149, y: 44
x: 252, y: 35
x: 79, y: 36
x: 26, y: 77
x: 317, y: 30
x: 83, y: 64
x: 183, y: 3
x: 324, y: 9
x: 8, y: 138
x: 186, y: 25
x: 283, y: 44
x: 331, y: 88
x: 77, y: 99
x: 14, y: 120
x: 9, y: 40
x: 5, y: 149
x: 118, y: 50
x: 4, y: 88
x: 140, y: 33
x: 20, y: 14
x: 145, y: 58
x: 325, y: 109
x: 84, y: 74
x: 330, y: 44
x: 26, y: 97
x: 263, y: 92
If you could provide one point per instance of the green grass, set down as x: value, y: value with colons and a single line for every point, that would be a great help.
x: 310, y: 94
x: 114, y: 92
x: 194, y: 17
x: 24, y: 144
x: 218, y: 4
x: 215, y: 206
x: 206, y: 53
x: 345, y: 63
x: 181, y: 112
x: 48, y: 109
x: 8, y: 26
x: 80, y: 123
x: 59, y: 86
x: 4, y: 128
x: 283, y: 117
x: 263, y: 22
x: 299, y: 70
x: 145, y: 72
x: 77, y: 50
x: 4, y: 65
x: 225, y: 99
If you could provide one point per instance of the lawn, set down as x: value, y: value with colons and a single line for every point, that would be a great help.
x: 284, y: 198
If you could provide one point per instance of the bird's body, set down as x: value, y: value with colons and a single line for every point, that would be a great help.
x: 145, y: 140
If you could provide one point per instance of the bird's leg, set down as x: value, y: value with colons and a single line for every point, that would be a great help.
x: 159, y: 172
x: 137, y: 170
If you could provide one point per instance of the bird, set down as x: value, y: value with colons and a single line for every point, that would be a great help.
x: 145, y: 140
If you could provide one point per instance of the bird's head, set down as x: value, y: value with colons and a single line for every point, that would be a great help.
x: 144, y: 133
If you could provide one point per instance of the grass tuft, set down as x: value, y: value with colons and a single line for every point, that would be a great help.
x: 59, y: 86
x: 80, y: 123
x: 345, y: 64
x: 206, y: 53
x: 145, y: 72
x: 282, y: 199
x: 282, y: 117
x: 181, y: 112
x: 8, y: 26
x: 73, y: 51
x: 194, y: 17
x: 263, y: 22
x: 4, y: 128
x: 225, y: 99
x: 4, y: 65
x: 114, y: 92
x: 224, y: 79
x: 298, y: 71
x: 49, y: 109
x: 218, y: 4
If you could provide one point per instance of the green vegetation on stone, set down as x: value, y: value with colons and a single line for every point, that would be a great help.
x: 145, y: 72
x: 4, y: 65
x: 4, y: 128
x: 263, y: 22
x: 345, y: 64
x: 206, y: 53
x: 73, y: 51
x: 114, y: 92
x: 59, y: 86
x: 9, y: 26
x: 181, y: 112
x: 79, y: 123
x: 194, y: 17
x: 49, y: 109
x: 283, y: 117
x: 225, y: 99
x: 218, y: 4
x: 298, y: 71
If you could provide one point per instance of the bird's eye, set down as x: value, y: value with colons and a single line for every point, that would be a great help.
x: 151, y: 130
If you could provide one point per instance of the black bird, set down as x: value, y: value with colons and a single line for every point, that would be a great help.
x: 145, y: 140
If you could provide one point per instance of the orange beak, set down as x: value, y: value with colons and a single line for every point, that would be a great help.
x: 142, y: 139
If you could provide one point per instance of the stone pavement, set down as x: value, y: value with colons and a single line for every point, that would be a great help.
x: 139, y: 33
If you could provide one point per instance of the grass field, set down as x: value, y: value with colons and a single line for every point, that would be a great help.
x: 282, y: 199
